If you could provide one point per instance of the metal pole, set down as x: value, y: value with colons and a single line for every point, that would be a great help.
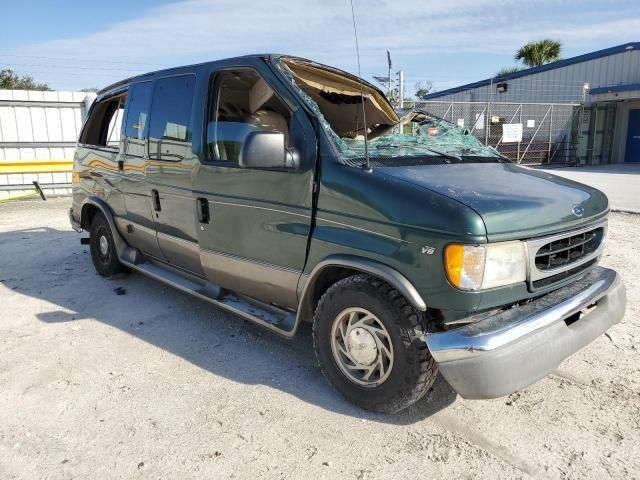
x: 401, y: 87
x: 389, y: 65
x: 534, y: 135
x: 550, y: 134
x: 520, y: 119
x: 519, y: 109
x: 448, y: 108
x: 488, y: 125
x: 478, y: 119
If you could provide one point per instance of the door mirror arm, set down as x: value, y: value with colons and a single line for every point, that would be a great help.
x: 292, y: 158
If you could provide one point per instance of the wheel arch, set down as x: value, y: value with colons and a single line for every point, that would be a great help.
x: 336, y: 267
x: 93, y: 205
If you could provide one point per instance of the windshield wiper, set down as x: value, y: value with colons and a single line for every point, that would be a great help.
x: 450, y: 156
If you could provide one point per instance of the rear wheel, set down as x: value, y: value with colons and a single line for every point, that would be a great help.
x: 368, y: 341
x: 102, y: 247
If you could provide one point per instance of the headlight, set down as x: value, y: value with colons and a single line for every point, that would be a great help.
x: 475, y: 267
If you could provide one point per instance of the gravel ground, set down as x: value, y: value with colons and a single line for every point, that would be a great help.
x: 157, y: 384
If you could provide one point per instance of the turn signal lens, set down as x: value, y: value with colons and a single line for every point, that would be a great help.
x: 465, y: 265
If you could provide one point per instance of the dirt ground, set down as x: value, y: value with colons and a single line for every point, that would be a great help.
x: 156, y: 384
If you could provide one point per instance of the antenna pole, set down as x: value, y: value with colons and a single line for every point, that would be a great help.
x: 366, y: 166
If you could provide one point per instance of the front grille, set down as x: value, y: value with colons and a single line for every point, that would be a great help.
x: 568, y: 250
x: 545, y: 282
x: 556, y: 258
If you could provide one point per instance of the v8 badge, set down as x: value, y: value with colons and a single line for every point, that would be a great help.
x: 428, y: 250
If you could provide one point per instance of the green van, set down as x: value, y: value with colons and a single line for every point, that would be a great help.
x: 287, y: 191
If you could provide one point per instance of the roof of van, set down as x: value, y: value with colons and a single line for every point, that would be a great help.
x: 128, y: 80
x: 142, y: 76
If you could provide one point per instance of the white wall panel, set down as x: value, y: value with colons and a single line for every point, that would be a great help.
x: 39, y: 124
x: 8, y: 125
x: 54, y: 124
x: 69, y: 130
x: 23, y: 121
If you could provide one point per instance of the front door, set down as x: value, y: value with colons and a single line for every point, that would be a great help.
x: 632, y: 151
x: 253, y: 237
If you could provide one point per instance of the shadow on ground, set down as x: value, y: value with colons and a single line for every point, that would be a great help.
x: 51, y: 265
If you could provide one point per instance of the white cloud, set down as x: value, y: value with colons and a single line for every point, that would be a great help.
x: 198, y: 30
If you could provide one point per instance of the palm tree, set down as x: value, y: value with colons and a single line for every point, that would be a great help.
x: 507, y: 71
x: 534, y: 54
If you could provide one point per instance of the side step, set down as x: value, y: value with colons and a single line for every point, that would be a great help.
x: 276, y: 319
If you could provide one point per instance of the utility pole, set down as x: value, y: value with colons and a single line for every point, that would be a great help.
x: 401, y: 88
x: 389, y: 76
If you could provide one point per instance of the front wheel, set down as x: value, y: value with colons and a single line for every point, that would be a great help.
x: 368, y: 342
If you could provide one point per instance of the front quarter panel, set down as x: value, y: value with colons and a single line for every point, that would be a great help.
x: 374, y: 216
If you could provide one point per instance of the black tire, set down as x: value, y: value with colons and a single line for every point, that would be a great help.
x: 106, y: 264
x: 413, y: 370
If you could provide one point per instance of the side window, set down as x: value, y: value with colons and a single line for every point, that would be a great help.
x: 135, y: 130
x: 169, y: 129
x: 103, y: 127
x: 242, y: 102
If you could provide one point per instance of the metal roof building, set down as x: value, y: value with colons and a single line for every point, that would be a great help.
x: 605, y: 83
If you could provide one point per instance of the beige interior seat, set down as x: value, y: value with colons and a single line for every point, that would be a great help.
x: 270, y: 121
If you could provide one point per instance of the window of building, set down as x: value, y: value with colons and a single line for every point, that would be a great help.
x: 103, y: 126
x: 169, y: 128
x: 135, y: 130
x: 243, y: 103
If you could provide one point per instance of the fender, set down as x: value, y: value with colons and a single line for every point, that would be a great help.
x: 126, y: 254
x: 364, y: 265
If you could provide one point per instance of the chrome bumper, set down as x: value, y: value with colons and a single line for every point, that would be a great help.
x: 517, y: 347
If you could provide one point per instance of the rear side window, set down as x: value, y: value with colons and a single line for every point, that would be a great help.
x: 169, y: 129
x: 135, y: 130
x: 103, y: 126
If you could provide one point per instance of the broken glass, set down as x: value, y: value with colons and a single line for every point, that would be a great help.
x: 414, y: 135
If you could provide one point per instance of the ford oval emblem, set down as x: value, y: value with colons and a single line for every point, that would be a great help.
x: 578, y: 210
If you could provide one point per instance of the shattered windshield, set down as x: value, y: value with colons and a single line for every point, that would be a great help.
x: 337, y: 101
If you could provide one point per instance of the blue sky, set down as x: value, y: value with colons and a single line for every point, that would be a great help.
x: 72, y: 45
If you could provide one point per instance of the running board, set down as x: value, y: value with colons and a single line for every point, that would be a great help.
x: 275, y: 319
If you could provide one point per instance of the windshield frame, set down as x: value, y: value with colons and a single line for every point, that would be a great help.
x: 348, y: 155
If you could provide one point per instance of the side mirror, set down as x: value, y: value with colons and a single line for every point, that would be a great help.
x: 267, y: 150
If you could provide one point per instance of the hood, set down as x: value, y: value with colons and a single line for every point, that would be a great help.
x: 514, y: 202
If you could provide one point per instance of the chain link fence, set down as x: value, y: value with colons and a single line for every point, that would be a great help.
x: 549, y: 130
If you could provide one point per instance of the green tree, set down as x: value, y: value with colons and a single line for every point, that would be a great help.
x: 534, y: 54
x: 10, y: 80
x: 507, y: 71
x: 423, y: 88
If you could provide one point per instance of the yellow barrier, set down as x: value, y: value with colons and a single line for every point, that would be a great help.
x: 36, y: 166
x: 10, y: 196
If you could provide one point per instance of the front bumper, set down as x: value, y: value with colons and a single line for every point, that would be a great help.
x: 517, y: 347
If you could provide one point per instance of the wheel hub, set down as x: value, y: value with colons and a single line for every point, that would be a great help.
x: 362, y: 346
x: 104, y: 245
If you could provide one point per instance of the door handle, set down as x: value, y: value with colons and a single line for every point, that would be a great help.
x: 156, y: 200
x: 202, y: 207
